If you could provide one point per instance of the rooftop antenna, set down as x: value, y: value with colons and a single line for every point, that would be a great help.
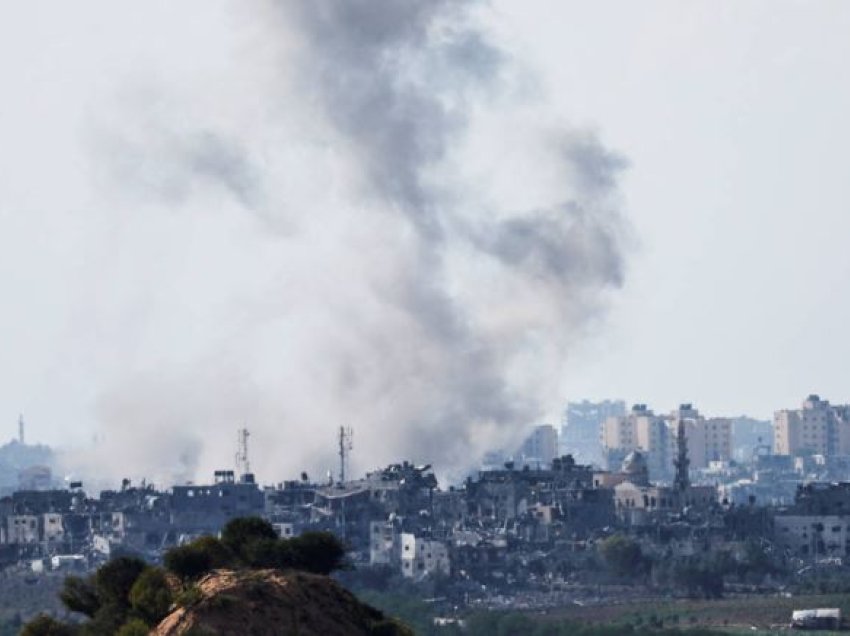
x: 243, y: 467
x: 21, y: 428
x: 345, y: 446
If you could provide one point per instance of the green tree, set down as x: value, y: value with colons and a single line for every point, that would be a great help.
x: 150, y: 596
x: 198, y: 557
x: 318, y: 552
x: 114, y: 580
x: 80, y: 595
x: 240, y: 532
x: 267, y: 553
x: 219, y: 554
x: 623, y: 555
x: 107, y: 620
x: 187, y: 561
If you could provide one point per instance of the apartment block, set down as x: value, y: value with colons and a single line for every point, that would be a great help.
x: 817, y: 428
x: 540, y: 447
x: 639, y: 430
x: 421, y: 557
x: 709, y: 439
x: 580, y: 428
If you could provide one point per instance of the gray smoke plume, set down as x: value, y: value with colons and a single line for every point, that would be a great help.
x: 361, y: 246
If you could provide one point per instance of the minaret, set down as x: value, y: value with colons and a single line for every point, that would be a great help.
x: 21, y: 428
x: 681, y: 482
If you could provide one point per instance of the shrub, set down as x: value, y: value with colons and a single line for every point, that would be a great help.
x: 266, y: 553
x: 622, y: 555
x: 238, y: 533
x: 79, y: 595
x: 150, y: 596
x: 44, y: 625
x: 107, y: 620
x: 318, y: 552
x: 189, y: 596
x: 187, y: 561
x: 114, y: 580
x: 219, y: 554
x: 133, y: 627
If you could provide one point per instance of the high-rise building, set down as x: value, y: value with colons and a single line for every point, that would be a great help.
x: 580, y: 427
x: 708, y: 439
x: 656, y: 436
x: 818, y: 428
x: 751, y: 437
x: 639, y: 430
x: 540, y: 447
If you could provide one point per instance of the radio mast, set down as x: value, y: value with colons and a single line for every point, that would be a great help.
x: 243, y: 466
x: 345, y: 446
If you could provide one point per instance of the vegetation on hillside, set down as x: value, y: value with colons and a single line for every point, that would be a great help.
x: 127, y: 596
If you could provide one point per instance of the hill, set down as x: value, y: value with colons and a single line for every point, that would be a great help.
x: 275, y: 603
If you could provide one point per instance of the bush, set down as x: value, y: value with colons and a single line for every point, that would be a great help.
x: 252, y: 542
x: 187, y: 561
x: 108, y: 619
x: 80, y: 595
x: 318, y: 552
x: 189, y: 596
x: 266, y: 553
x: 219, y: 554
x: 133, y: 627
x: 622, y: 555
x: 114, y: 580
x: 240, y: 532
x: 150, y: 596
x: 44, y: 625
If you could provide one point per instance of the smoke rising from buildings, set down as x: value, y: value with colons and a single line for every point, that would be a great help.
x: 354, y: 219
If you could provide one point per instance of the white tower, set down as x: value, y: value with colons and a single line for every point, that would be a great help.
x: 345, y: 446
x: 243, y: 466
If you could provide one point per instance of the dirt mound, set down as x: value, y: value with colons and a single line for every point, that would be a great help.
x: 273, y: 603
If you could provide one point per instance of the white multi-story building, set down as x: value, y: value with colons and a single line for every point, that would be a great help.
x: 655, y: 436
x: 818, y: 428
x: 709, y: 439
x: 640, y: 430
x: 422, y: 557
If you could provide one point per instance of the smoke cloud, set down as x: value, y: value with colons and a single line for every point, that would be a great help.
x: 356, y: 221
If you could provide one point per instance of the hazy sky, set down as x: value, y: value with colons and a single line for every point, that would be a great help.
x: 133, y: 135
x: 734, y: 118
